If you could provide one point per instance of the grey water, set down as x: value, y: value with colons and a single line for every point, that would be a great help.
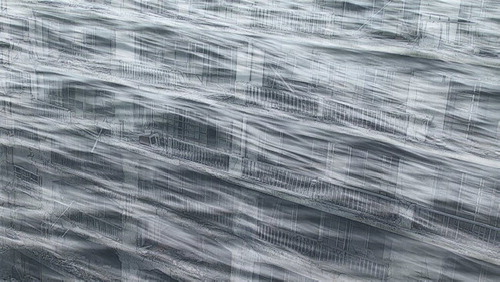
x: 298, y: 140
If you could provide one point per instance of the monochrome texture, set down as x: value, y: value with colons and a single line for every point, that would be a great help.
x: 249, y: 140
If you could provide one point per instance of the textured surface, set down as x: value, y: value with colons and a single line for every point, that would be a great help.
x: 318, y: 140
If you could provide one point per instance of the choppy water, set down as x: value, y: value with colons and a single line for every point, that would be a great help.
x: 316, y: 140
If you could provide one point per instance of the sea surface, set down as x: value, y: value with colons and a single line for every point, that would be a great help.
x: 299, y: 140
